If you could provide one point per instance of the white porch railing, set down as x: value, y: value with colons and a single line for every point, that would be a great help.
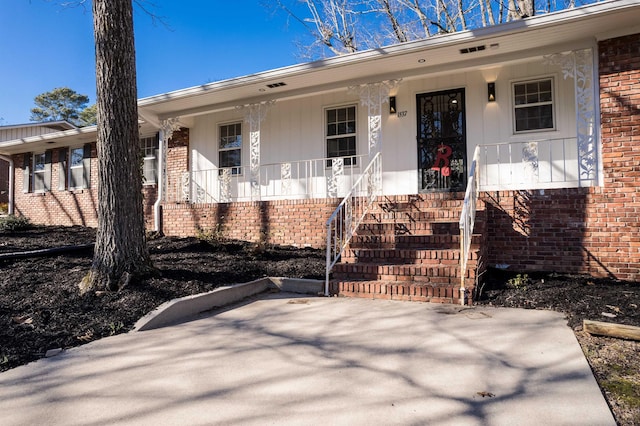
x: 468, y: 219
x: 349, y: 214
x: 537, y: 164
x: 316, y: 178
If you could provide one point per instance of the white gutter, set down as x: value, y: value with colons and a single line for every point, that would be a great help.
x: 11, y: 179
x: 157, y: 222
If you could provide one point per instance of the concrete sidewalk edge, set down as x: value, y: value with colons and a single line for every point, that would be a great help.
x: 185, y: 308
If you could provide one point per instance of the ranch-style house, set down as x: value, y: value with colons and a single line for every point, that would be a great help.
x: 415, y: 165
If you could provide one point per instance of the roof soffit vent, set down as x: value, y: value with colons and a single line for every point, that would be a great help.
x: 473, y: 49
x: 274, y: 85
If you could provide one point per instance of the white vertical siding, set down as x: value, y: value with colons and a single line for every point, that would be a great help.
x: 24, y: 132
x: 294, y: 129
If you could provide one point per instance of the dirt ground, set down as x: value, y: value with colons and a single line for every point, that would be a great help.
x: 40, y: 308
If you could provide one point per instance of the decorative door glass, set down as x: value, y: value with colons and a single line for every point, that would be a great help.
x: 441, y: 137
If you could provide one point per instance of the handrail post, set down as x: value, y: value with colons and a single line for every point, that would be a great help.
x: 463, y: 272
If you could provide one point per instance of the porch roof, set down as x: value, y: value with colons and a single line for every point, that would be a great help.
x: 513, y: 41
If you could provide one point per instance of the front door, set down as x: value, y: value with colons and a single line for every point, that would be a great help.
x: 442, y: 148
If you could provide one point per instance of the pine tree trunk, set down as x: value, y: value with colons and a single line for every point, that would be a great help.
x: 121, y: 252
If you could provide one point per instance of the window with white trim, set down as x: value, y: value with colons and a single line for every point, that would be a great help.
x: 533, y: 105
x: 149, y: 148
x: 230, y: 147
x: 41, y: 172
x: 341, y: 134
x: 76, y: 168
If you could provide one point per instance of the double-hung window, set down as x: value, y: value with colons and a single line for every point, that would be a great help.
x: 149, y: 147
x: 533, y: 105
x: 76, y: 168
x: 230, y: 147
x: 341, y: 134
x: 41, y: 172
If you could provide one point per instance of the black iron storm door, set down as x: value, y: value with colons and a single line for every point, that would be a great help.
x: 442, y: 148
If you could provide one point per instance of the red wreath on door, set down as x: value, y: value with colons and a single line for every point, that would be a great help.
x: 442, y: 160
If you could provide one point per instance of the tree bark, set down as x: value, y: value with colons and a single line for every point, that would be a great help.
x: 121, y: 253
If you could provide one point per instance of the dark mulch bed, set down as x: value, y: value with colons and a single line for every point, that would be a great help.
x: 41, y: 309
x: 578, y: 296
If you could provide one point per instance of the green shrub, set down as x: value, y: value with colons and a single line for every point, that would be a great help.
x: 14, y: 223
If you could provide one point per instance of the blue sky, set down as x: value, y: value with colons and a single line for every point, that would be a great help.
x: 44, y: 46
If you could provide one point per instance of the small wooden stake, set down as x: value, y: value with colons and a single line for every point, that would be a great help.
x: 613, y: 330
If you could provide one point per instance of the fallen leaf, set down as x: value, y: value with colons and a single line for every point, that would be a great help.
x: 608, y: 315
x: 23, y: 319
x: 298, y: 302
x: 613, y: 308
x: 485, y: 394
x: 86, y: 336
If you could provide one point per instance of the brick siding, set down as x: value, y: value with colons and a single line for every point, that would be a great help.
x: 286, y: 222
x: 586, y: 230
x: 57, y: 207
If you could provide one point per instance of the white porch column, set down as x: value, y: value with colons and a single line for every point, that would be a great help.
x: 373, y: 96
x: 254, y: 114
x: 166, y: 132
x: 579, y: 65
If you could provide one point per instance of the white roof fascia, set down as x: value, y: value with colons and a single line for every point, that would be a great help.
x: 63, y: 138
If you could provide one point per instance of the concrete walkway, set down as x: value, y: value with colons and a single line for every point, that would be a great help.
x: 286, y: 359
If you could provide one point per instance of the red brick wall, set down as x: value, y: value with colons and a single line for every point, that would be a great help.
x: 580, y: 230
x: 588, y: 230
x: 68, y: 207
x: 57, y: 207
x: 285, y: 222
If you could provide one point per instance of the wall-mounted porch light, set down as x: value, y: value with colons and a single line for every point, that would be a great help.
x: 392, y: 105
x: 491, y: 89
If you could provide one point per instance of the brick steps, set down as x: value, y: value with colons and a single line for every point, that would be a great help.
x: 442, y: 272
x: 409, y: 241
x: 408, y: 248
x: 414, y: 292
x: 410, y: 228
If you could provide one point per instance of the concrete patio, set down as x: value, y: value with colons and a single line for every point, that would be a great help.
x: 281, y: 358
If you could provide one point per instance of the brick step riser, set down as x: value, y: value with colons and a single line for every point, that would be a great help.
x: 395, y: 291
x: 355, y: 271
x: 412, y: 242
x: 412, y: 216
x: 424, y: 205
x: 410, y: 258
x: 417, y: 228
x: 419, y: 205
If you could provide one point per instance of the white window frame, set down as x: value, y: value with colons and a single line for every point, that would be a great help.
x: 327, y: 137
x: 72, y: 167
x: 149, y: 146
x: 42, y: 172
x: 235, y: 170
x: 552, y: 102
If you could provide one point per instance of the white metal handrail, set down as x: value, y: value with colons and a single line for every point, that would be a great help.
x: 346, y: 218
x: 467, y: 219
